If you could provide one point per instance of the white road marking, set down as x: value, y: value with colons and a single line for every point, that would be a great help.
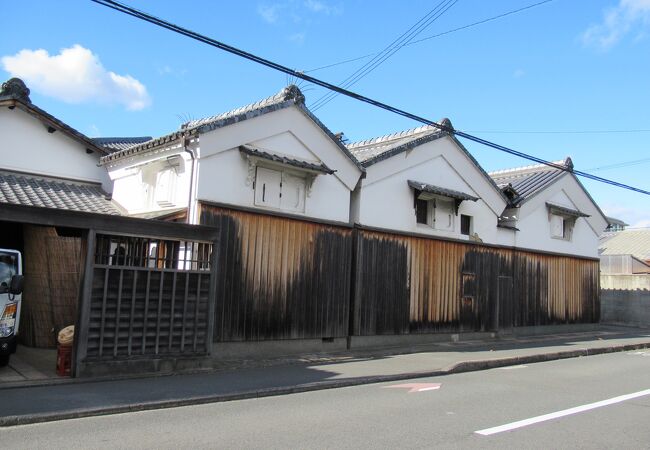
x: 520, y: 366
x: 429, y: 388
x: 565, y: 412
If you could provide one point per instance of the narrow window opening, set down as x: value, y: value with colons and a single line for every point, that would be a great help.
x: 465, y: 224
x: 421, y: 211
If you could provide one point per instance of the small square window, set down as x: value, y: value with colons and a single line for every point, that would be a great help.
x: 465, y: 224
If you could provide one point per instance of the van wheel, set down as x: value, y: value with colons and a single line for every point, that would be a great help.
x: 4, y: 360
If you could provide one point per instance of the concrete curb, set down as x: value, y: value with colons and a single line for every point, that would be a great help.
x: 461, y: 367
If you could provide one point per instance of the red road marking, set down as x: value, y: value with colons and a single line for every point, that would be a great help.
x: 416, y: 387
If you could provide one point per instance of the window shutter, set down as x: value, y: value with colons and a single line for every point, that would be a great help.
x: 267, y: 187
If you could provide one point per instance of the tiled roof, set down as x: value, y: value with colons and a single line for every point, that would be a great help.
x: 289, y: 96
x: 529, y: 180
x: 431, y: 189
x: 15, y: 91
x: 628, y: 242
x: 45, y: 192
x: 115, y: 144
x: 379, y: 148
x: 248, y: 150
x: 289, y: 93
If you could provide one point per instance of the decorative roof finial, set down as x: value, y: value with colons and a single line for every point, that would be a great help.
x: 292, y: 92
x: 15, y: 88
x: 447, y: 126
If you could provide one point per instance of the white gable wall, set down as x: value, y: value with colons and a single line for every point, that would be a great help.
x: 28, y: 147
x: 140, y: 186
x: 386, y: 200
x: 534, y: 225
x: 224, y: 174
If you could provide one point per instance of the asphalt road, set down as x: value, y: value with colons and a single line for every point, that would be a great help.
x: 581, y: 395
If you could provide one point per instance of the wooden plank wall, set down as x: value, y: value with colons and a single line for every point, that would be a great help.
x: 279, y: 278
x: 407, y: 284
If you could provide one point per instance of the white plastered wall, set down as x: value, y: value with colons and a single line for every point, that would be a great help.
x: 386, y: 199
x: 135, y: 182
x: 534, y: 222
x: 224, y: 174
x: 28, y: 147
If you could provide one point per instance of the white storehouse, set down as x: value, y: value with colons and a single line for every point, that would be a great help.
x: 272, y: 156
x: 551, y: 209
x: 424, y: 181
x: 45, y: 162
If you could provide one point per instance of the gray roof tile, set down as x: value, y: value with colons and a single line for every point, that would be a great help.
x: 530, y: 180
x: 373, y: 150
x: 289, y: 96
x: 115, y: 144
x: 45, y: 192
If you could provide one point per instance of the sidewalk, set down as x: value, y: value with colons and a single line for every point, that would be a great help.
x: 80, y: 398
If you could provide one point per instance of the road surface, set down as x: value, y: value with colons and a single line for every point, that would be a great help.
x: 592, y: 402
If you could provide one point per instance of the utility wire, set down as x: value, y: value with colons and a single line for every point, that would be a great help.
x: 389, y: 51
x: 464, y: 27
x: 251, y: 57
x: 620, y: 165
x: 641, y: 130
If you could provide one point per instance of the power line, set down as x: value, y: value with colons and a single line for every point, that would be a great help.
x: 464, y: 27
x: 620, y: 165
x: 641, y: 130
x: 251, y: 57
x: 389, y: 51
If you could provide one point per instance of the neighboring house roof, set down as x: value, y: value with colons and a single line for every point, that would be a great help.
x: 372, y: 151
x: 116, y: 144
x: 47, y: 192
x: 289, y: 96
x: 615, y: 221
x: 14, y: 93
x: 628, y: 242
x: 280, y: 159
x: 529, y: 180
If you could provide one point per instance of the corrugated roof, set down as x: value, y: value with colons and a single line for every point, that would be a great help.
x: 628, y: 242
x: 47, y: 192
x: 529, y: 180
x: 115, y: 144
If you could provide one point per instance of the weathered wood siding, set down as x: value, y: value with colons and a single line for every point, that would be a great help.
x: 279, y: 278
x: 406, y: 284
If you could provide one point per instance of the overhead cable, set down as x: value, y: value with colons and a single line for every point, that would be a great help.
x: 222, y: 46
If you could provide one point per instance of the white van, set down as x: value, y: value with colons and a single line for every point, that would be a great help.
x: 11, y: 288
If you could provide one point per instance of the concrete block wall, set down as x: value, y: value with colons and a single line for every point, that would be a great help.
x: 625, y: 300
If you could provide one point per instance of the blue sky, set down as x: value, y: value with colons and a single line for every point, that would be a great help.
x: 564, y: 66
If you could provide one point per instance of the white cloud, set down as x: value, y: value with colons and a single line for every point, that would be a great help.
x: 76, y: 75
x: 295, y: 10
x: 270, y: 13
x: 518, y: 73
x: 298, y: 38
x: 628, y: 16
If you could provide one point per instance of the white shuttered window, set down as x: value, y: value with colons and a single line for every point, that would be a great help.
x: 279, y: 189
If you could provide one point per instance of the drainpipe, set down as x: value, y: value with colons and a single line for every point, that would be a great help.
x: 190, y: 200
